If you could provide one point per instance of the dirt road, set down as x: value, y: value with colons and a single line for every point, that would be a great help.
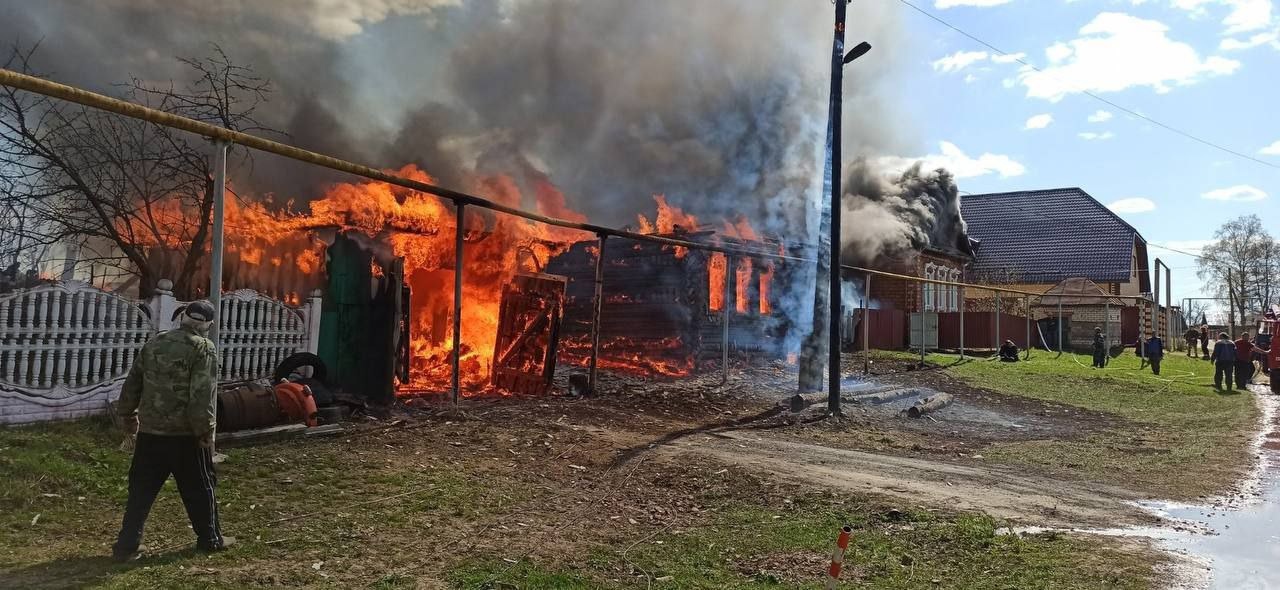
x: 999, y: 491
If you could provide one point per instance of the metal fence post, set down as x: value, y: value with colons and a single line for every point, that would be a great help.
x: 459, y: 234
x: 962, y: 306
x: 1027, y: 300
x: 1106, y: 339
x: 724, y: 323
x: 866, y: 328
x: 997, y: 320
x: 215, y: 262
x: 1060, y: 323
x: 922, y: 312
x: 595, y: 316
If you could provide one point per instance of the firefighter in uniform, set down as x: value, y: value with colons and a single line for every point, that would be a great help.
x: 168, y: 400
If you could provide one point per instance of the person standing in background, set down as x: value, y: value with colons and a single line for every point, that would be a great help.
x: 1224, y: 362
x: 1155, y: 353
x: 1099, y: 349
x: 1204, y: 340
x: 1191, y: 336
x: 1244, y: 360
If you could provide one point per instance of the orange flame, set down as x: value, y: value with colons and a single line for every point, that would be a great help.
x: 742, y: 276
x: 717, y: 266
x: 766, y: 281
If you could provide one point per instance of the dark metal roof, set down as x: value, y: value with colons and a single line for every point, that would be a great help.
x: 1045, y: 236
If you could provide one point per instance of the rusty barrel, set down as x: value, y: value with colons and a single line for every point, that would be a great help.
x: 247, y: 406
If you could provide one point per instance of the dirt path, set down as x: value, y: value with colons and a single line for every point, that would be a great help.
x: 1001, y: 492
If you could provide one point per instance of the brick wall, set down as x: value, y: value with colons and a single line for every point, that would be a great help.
x: 902, y: 294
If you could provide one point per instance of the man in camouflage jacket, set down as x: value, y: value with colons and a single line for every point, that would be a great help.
x: 169, y: 401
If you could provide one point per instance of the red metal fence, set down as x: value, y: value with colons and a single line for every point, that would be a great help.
x: 980, y: 330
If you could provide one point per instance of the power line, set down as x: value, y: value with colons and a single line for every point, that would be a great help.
x: 1018, y: 58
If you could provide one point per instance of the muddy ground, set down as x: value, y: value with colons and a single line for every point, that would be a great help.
x: 934, y: 460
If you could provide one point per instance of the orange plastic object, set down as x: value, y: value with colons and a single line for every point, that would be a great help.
x: 296, y: 403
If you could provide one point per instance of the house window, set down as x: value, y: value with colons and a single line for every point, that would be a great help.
x: 929, y: 288
x: 955, y: 291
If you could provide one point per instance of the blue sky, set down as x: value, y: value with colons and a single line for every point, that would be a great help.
x: 1208, y: 67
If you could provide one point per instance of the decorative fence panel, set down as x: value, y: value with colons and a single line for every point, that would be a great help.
x: 65, y: 348
x: 257, y: 332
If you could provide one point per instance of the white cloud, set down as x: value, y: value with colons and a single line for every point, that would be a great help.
x: 1240, y: 192
x: 1232, y: 44
x: 944, y: 4
x: 960, y: 164
x: 1132, y: 205
x: 1242, y: 16
x: 1271, y: 150
x: 1091, y: 136
x: 1192, y: 246
x: 1008, y: 58
x: 1039, y: 121
x: 1116, y: 51
x: 970, y: 78
x: 1100, y: 116
x: 959, y: 61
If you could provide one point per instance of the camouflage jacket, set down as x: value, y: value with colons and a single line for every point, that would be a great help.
x: 171, y: 385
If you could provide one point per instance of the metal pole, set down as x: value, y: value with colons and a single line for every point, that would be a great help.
x: 1169, y: 305
x: 724, y: 323
x: 597, y: 305
x: 1231, y: 306
x: 1060, y: 322
x: 866, y: 328
x: 1107, y: 337
x: 459, y: 234
x: 962, y: 306
x: 1155, y: 299
x: 215, y: 263
x: 1027, y: 299
x: 837, y: 82
x: 997, y: 320
x: 922, y: 312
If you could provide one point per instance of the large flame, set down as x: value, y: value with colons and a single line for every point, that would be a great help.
x: 420, y: 229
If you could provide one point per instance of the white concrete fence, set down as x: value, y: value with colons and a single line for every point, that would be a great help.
x: 65, y: 348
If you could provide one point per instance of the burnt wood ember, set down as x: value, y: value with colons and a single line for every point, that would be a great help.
x: 524, y: 355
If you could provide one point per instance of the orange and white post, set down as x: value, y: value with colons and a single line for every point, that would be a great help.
x: 837, y: 557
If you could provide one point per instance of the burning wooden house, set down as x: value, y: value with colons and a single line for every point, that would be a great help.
x: 665, y: 308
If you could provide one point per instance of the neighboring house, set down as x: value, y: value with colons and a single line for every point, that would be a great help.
x: 1034, y: 240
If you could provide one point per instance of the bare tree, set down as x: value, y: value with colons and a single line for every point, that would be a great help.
x: 1239, y: 265
x: 122, y: 193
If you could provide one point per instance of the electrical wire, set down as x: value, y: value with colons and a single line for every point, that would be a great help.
x: 1018, y: 58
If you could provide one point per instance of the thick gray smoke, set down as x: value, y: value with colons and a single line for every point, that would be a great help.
x: 719, y: 104
x: 889, y: 216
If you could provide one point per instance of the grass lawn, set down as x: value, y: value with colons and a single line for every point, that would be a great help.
x: 484, y: 504
x: 1178, y: 438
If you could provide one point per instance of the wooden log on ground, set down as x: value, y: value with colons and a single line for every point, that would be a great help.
x: 929, y: 404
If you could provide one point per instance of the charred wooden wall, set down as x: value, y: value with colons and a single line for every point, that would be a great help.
x: 652, y: 294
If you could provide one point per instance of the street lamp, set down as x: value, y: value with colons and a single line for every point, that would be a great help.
x: 838, y: 60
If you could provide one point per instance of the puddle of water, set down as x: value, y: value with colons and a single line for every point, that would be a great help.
x: 1237, y: 538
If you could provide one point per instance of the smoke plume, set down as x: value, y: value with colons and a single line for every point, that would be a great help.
x: 719, y: 104
x: 889, y: 216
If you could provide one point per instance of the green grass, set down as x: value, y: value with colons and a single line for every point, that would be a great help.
x: 1176, y: 436
x: 754, y: 548
x: 74, y: 478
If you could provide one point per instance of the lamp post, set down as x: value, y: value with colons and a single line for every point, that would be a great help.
x: 838, y: 59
